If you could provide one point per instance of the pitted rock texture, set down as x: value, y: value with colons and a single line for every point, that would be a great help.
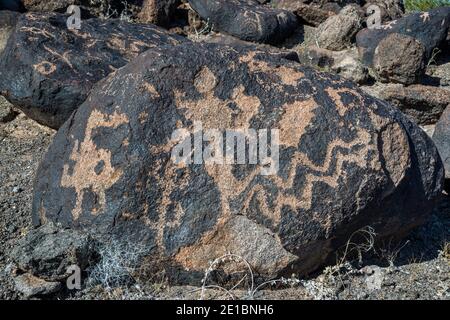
x: 308, y: 13
x: 159, y: 12
x: 423, y: 104
x: 429, y: 28
x: 441, y: 138
x: 338, y: 31
x: 48, y: 251
x: 247, y: 19
x: 47, y: 70
x: 89, y: 8
x: 400, y: 59
x: 346, y: 160
x: 8, y: 21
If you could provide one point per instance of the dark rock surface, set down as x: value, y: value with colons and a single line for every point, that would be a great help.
x: 48, y: 70
x: 48, y: 251
x: 308, y: 13
x: 441, y: 138
x: 7, y: 113
x: 8, y: 21
x: 338, y: 31
x: 399, y: 59
x: 429, y: 28
x: 347, y: 160
x: 12, y: 5
x: 159, y: 12
x: 247, y: 19
x: 423, y: 104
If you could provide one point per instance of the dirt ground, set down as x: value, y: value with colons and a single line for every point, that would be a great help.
x: 416, y: 268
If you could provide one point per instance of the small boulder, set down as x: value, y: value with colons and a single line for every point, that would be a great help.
x: 48, y: 70
x: 338, y: 32
x: 307, y: 13
x: 247, y: 19
x: 441, y: 138
x: 159, y: 12
x: 7, y: 113
x: 429, y: 28
x: 31, y: 286
x: 47, y: 252
x: 441, y: 73
x: 423, y: 104
x: 399, y: 59
x: 345, y: 63
x: 348, y: 66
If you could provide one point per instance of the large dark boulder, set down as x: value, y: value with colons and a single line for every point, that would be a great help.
x: 247, y: 19
x: 346, y: 161
x: 429, y: 28
x: 441, y: 138
x: 47, y: 70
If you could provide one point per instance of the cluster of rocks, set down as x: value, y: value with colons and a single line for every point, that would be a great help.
x: 117, y: 90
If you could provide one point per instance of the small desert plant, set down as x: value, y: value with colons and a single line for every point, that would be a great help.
x: 424, y: 5
x: 118, y: 261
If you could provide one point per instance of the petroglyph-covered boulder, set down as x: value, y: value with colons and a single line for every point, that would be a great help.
x: 429, y: 28
x: 247, y: 19
x: 47, y: 70
x: 345, y: 160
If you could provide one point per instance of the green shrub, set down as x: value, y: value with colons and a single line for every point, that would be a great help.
x: 424, y: 5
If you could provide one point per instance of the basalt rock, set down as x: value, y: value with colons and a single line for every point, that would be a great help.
x: 346, y: 160
x: 338, y: 31
x: 47, y: 70
x: 8, y: 21
x: 441, y: 138
x: 247, y: 19
x: 12, y: 5
x: 429, y: 28
x: 345, y: 63
x: 308, y: 13
x: 89, y: 8
x: 399, y: 58
x: 423, y: 104
x: 47, y: 252
x: 159, y: 12
x: 31, y: 286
